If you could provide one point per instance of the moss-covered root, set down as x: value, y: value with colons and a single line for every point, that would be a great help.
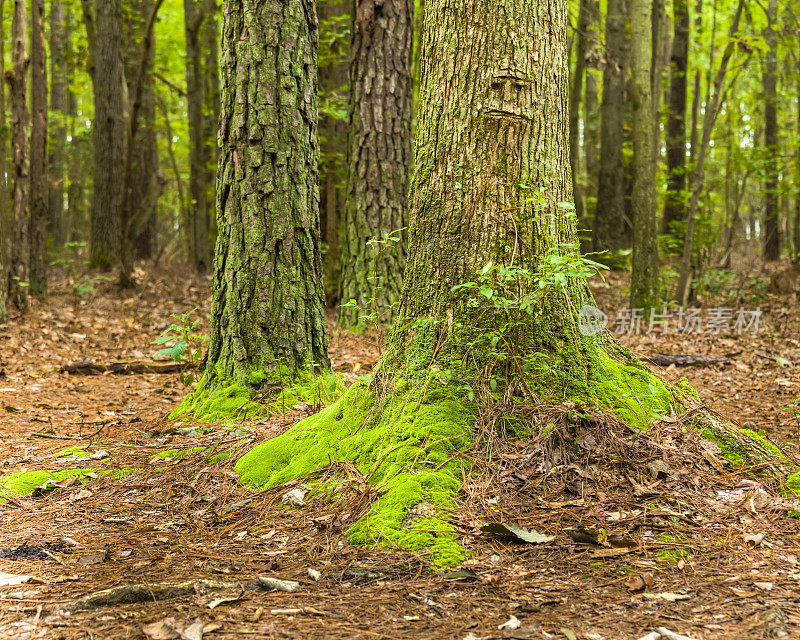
x: 740, y: 447
x: 407, y: 448
x: 20, y: 484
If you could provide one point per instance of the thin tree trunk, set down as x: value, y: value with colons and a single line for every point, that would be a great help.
x: 675, y: 205
x: 18, y: 273
x: 379, y: 157
x: 796, y: 238
x: 696, y: 180
x: 39, y: 186
x: 644, y: 276
x: 609, y: 224
x: 6, y: 220
x: 199, y: 230
x: 57, y: 130
x: 104, y: 33
x: 209, y: 37
x: 591, y: 111
x: 772, y: 242
x: 575, y: 93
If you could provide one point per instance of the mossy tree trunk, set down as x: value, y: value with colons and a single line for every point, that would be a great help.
x: 378, y: 158
x: 267, y: 321
x: 491, y: 172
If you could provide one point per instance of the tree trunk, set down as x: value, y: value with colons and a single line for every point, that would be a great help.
x: 209, y: 38
x: 491, y: 167
x: 267, y: 320
x: 144, y: 182
x: 644, y: 276
x: 6, y: 220
x: 675, y: 206
x: 57, y: 130
x: 104, y: 32
x: 591, y: 119
x: 609, y: 225
x: 772, y: 243
x: 18, y: 272
x: 575, y: 93
x: 39, y: 186
x: 199, y: 225
x: 379, y: 156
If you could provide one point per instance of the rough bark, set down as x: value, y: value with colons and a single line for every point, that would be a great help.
x: 675, y: 205
x: 105, y: 37
x: 39, y: 186
x: 378, y: 159
x: 772, y: 243
x: 609, y: 224
x: 57, y: 129
x: 18, y: 272
x: 644, y: 276
x: 267, y: 321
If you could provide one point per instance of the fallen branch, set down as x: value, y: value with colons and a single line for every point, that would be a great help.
x: 89, y: 367
x: 132, y: 593
x: 686, y: 359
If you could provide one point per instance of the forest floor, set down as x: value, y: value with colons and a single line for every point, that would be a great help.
x: 649, y: 532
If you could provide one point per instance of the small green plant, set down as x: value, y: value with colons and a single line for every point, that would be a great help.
x: 184, y: 344
x: 87, y: 284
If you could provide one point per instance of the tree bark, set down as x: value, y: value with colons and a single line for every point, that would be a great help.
x: 195, y: 13
x: 6, y: 219
x: 609, y: 225
x: 104, y: 33
x: 378, y: 160
x: 591, y: 119
x: 644, y: 276
x: 772, y: 241
x: 39, y: 185
x: 18, y: 272
x: 267, y: 320
x: 675, y: 205
x: 57, y: 130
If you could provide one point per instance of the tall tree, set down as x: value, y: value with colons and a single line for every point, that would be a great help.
x: 57, y: 124
x: 18, y: 271
x: 490, y: 169
x: 378, y: 159
x: 772, y: 241
x: 267, y: 317
x: 104, y: 34
x: 591, y: 122
x: 6, y: 220
x: 580, y: 44
x: 40, y: 191
x: 675, y: 205
x: 196, y: 13
x: 644, y: 276
x: 609, y: 230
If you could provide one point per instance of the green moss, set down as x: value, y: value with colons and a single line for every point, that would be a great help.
x: 683, y: 385
x: 729, y: 452
x: 177, y: 454
x: 221, y: 399
x: 406, y: 448
x: 763, y: 440
x: 76, y: 451
x: 20, y: 484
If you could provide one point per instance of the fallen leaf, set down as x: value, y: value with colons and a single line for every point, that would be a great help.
x: 510, y: 624
x: 295, y: 498
x: 666, y: 596
x: 172, y: 629
x: 513, y: 531
x: 9, y: 579
x: 764, y: 586
x: 754, y: 539
x: 314, y: 574
x: 94, y: 558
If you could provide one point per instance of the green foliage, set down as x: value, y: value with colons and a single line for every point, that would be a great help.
x: 185, y: 344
